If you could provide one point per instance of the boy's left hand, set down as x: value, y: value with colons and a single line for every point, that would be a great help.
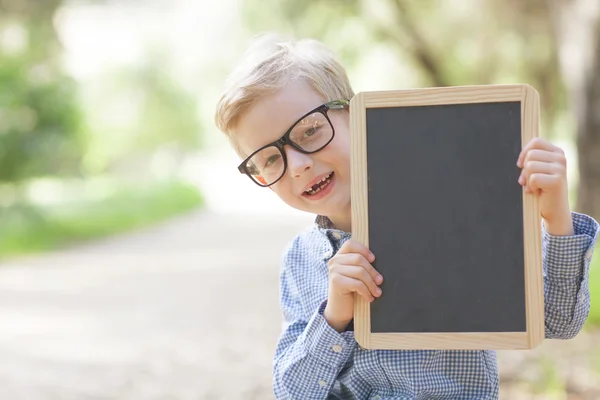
x: 544, y: 174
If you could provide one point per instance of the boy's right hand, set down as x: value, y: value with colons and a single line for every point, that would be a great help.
x: 350, y: 271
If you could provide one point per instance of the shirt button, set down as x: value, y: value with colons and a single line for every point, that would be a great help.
x: 322, y: 383
x: 337, y: 348
x: 588, y: 255
x: 336, y: 235
x: 378, y: 397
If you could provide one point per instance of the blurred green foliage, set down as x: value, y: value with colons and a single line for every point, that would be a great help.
x: 136, y: 112
x: 442, y: 43
x: 127, y: 206
x: 594, y: 316
x: 52, y: 126
x: 39, y: 118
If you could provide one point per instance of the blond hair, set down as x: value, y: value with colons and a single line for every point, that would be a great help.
x: 269, y: 63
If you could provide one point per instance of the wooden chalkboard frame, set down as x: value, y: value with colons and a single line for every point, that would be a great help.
x: 534, y: 297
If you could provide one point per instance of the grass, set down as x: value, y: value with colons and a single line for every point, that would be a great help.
x: 31, y: 230
x: 594, y: 316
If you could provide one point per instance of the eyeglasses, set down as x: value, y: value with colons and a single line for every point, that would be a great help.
x: 309, y: 134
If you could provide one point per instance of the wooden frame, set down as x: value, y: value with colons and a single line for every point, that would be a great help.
x: 534, y: 295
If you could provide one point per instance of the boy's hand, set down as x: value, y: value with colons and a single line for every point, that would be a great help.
x: 544, y: 174
x: 350, y: 271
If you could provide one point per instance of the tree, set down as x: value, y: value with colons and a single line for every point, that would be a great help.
x: 39, y: 119
x: 577, y: 29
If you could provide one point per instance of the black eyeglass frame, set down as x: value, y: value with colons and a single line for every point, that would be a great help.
x: 285, y: 139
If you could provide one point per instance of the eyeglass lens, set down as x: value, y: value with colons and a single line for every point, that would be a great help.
x: 310, y: 134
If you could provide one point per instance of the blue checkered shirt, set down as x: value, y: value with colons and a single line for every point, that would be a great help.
x: 314, y: 361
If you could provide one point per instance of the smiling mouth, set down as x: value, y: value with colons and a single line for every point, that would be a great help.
x: 317, y: 187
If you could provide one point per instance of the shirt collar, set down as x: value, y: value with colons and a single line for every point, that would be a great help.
x: 323, y: 222
x: 325, y: 225
x: 335, y: 237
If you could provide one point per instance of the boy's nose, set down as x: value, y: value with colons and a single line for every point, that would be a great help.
x: 297, y: 162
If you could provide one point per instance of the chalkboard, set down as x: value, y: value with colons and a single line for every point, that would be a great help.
x: 435, y: 197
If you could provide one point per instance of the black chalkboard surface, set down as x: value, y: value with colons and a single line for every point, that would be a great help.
x: 435, y: 197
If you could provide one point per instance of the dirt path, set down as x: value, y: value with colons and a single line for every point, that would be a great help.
x: 186, y: 310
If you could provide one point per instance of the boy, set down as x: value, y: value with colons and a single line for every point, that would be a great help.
x: 286, y: 113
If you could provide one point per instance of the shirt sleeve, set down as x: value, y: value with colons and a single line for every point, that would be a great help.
x: 566, y: 263
x: 310, y: 354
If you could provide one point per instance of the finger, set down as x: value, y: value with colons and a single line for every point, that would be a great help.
x: 361, y: 274
x: 537, y: 143
x: 532, y: 167
x: 535, y: 167
x: 545, y: 156
x: 349, y: 285
x: 540, y: 182
x: 352, y: 246
x: 359, y: 260
x: 356, y: 272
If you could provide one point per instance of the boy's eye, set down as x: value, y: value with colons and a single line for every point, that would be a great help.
x: 314, y: 129
x: 272, y: 160
x: 310, y: 131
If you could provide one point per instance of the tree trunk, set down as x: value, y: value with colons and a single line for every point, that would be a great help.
x: 577, y: 28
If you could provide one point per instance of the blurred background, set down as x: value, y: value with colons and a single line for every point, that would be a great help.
x: 137, y: 263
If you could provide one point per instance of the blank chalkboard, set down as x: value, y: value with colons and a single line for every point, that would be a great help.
x: 435, y: 197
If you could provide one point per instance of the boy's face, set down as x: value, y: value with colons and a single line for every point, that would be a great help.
x: 269, y: 119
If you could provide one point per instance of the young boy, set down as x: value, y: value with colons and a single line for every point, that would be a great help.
x: 286, y: 113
